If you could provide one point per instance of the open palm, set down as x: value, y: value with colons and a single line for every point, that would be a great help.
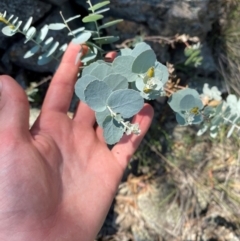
x: 58, y: 179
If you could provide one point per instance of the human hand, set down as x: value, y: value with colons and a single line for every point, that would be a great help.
x: 58, y: 179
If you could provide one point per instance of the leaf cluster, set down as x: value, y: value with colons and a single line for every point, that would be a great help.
x: 115, y: 91
x: 49, y: 49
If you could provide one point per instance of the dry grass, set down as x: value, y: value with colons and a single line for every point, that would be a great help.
x: 229, y: 54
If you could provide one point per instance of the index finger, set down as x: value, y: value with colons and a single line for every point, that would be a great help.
x: 61, y: 89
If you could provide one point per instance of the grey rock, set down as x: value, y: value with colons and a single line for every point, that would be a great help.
x: 166, y: 17
x: 56, y: 2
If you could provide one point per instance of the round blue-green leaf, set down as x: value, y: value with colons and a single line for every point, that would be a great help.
x: 96, y: 95
x: 125, y: 102
x: 8, y: 31
x: 82, y: 38
x: 187, y: 102
x: 126, y: 51
x: 139, y: 48
x: 161, y: 72
x: 175, y: 99
x: 197, y: 119
x: 143, y: 62
x: 122, y: 65
x: 88, y: 69
x: 112, y: 130
x: 116, y: 82
x: 101, y: 71
x: 101, y: 116
x: 139, y: 83
x: 180, y: 120
x: 81, y: 85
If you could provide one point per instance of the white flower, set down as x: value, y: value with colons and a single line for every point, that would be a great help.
x: 211, y: 94
x: 233, y: 103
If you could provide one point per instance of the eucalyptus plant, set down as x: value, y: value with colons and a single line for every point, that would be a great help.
x: 116, y: 91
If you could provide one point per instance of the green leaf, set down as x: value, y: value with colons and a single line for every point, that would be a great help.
x: 98, y: 5
x: 161, y: 72
x: 116, y: 81
x: 8, y: 31
x: 17, y: 26
x: 102, y: 10
x: 187, y: 102
x: 108, y: 24
x: 76, y: 31
x: 125, y: 102
x: 101, y: 71
x: 126, y: 51
x: 122, y: 65
x: 140, y: 48
x: 15, y: 20
x: 101, y: 116
x: 47, y: 44
x: 52, y: 49
x: 88, y: 69
x: 72, y: 18
x: 180, y: 120
x: 27, y: 25
x: 30, y: 34
x: 175, y: 98
x: 43, y: 59
x: 106, y: 39
x: 144, y: 61
x: 82, y: 38
x: 92, y: 18
x: 31, y: 52
x: 112, y: 130
x: 56, y: 26
x: 81, y: 85
x: 42, y: 34
x: 96, y: 95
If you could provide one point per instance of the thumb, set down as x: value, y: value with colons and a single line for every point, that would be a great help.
x: 14, y: 107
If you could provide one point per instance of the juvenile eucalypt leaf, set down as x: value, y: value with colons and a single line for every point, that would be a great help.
x: 125, y: 102
x: 116, y: 82
x: 144, y: 61
x: 187, y: 105
x: 112, y: 130
x: 96, y: 95
x: 101, y: 116
x: 122, y: 65
x: 81, y: 85
x: 140, y: 48
x: 150, y: 84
